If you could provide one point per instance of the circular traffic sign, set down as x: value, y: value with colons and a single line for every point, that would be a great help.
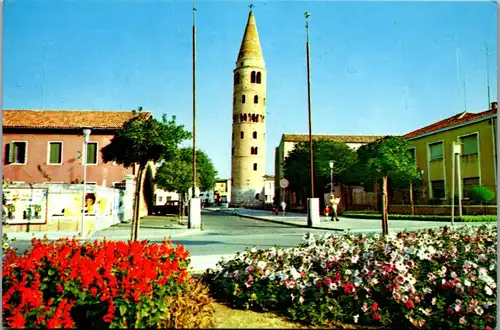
x: 284, y: 183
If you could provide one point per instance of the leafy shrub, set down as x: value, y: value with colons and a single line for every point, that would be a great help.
x: 437, y: 278
x: 482, y: 194
x: 99, y: 285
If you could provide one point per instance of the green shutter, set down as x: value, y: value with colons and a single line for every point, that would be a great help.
x: 469, y: 146
x: 10, y: 153
x: 436, y: 151
x: 92, y: 153
x: 55, y: 153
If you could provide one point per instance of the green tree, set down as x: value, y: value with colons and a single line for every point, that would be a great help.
x: 297, y: 166
x: 383, y: 159
x: 177, y: 174
x: 144, y: 139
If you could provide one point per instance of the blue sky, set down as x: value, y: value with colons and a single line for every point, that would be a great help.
x: 377, y: 67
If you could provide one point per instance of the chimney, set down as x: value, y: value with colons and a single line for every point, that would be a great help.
x: 493, y: 105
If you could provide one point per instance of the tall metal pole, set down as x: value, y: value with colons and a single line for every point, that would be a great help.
x: 459, y: 184
x: 84, y: 162
x: 452, y: 182
x: 488, y: 73
x: 307, y: 15
x: 194, y: 101
x: 492, y: 122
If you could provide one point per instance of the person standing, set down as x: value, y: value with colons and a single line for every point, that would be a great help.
x: 335, y: 203
x: 283, y: 206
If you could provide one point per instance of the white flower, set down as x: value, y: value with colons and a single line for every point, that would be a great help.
x: 462, y: 320
x: 253, y: 250
x: 348, y: 272
x: 354, y: 259
x: 478, y: 310
x: 467, y: 282
x: 355, y: 318
x: 261, y: 264
x: 434, y: 300
x: 301, y: 300
x: 272, y: 277
x: 488, y: 290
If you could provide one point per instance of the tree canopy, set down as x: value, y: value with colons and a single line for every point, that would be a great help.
x: 297, y: 165
x: 177, y: 174
x: 145, y: 139
x: 388, y: 156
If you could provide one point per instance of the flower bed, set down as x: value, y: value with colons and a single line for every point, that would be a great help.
x: 100, y: 285
x: 439, y: 278
x: 421, y: 217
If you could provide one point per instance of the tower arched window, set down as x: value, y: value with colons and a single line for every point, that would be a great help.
x: 233, y: 136
x: 255, y: 150
x: 242, y: 134
x: 232, y: 151
x: 252, y: 77
x: 257, y: 118
x: 259, y: 78
x: 255, y: 166
x: 252, y: 150
x: 243, y: 98
x: 253, y: 118
x: 241, y: 117
x: 256, y: 99
x: 234, y: 100
x: 254, y: 134
x: 245, y: 117
x: 236, y: 78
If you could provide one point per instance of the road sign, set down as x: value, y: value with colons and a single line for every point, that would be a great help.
x: 284, y: 183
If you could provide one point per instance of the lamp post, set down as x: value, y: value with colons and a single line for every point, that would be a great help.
x: 332, y: 163
x: 456, y: 151
x: 86, y: 134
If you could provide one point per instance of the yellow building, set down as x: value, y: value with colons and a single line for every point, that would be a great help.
x: 432, y: 150
x: 222, y: 191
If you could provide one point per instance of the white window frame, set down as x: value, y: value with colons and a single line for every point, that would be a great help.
x: 428, y: 146
x: 48, y: 152
x: 478, y: 154
x: 96, y: 153
x: 25, y: 153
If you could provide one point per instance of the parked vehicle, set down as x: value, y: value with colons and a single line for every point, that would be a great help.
x: 170, y: 207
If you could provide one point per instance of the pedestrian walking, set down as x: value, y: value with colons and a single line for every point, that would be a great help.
x: 283, y: 206
x: 334, y: 200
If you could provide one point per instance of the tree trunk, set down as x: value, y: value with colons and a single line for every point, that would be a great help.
x: 385, y: 208
x: 135, y: 219
x: 411, y: 199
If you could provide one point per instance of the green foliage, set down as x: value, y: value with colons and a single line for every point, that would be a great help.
x: 482, y: 194
x: 385, y: 157
x: 297, y: 165
x: 149, y: 189
x: 145, y: 139
x: 177, y: 174
x: 5, y: 239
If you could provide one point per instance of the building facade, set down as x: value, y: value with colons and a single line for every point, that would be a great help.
x: 432, y: 151
x: 43, y: 146
x: 248, y: 149
x: 288, y: 142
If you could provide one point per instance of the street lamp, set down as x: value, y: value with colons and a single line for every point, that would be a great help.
x: 86, y: 134
x: 332, y: 163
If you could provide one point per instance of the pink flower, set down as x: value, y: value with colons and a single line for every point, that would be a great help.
x: 409, y: 304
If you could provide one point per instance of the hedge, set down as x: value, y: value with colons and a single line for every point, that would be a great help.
x: 465, y: 218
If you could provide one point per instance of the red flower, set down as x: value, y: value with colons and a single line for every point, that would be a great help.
x: 349, y: 288
x: 318, y: 284
x: 374, y: 306
x: 409, y: 304
x: 376, y: 316
x: 17, y: 321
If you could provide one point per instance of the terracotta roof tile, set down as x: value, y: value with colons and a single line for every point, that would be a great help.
x: 449, y: 122
x: 337, y: 138
x: 66, y: 119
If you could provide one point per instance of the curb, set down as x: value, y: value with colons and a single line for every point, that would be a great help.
x: 286, y: 223
x: 202, y: 263
x: 173, y: 236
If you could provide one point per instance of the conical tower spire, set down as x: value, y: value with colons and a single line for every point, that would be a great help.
x: 250, y: 45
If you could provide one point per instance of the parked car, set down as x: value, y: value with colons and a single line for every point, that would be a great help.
x: 170, y: 207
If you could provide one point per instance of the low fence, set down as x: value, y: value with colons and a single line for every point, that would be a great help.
x: 58, y: 207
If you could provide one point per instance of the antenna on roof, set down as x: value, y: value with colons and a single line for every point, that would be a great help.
x: 458, y: 72
x: 465, y: 91
x: 488, y: 73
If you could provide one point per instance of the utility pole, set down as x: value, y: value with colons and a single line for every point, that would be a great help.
x: 311, y: 153
x: 492, y: 122
x: 488, y: 73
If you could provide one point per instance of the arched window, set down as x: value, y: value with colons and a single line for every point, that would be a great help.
x: 254, y: 134
x: 249, y: 117
x: 257, y: 118
x: 243, y: 98
x: 252, y: 77
x: 252, y: 150
x: 241, y: 117
x: 253, y: 118
x: 234, y: 100
x: 256, y: 99
x: 232, y: 151
x: 255, y: 150
x: 255, y: 166
x: 259, y: 77
x: 236, y: 78
x: 245, y: 117
x: 242, y: 134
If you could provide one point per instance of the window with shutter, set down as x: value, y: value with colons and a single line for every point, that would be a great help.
x: 92, y: 153
x: 55, y: 153
x: 469, y: 144
x: 436, y: 151
x: 15, y: 153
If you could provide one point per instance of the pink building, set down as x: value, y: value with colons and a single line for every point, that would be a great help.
x: 46, y: 146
